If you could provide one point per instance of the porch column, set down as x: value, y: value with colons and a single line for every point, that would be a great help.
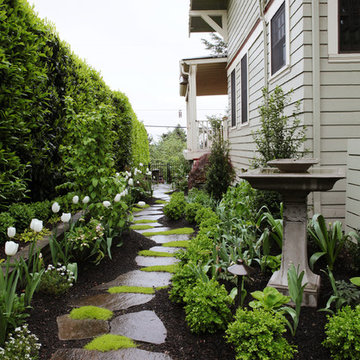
x: 192, y: 136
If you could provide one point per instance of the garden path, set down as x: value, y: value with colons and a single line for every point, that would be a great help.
x: 142, y: 326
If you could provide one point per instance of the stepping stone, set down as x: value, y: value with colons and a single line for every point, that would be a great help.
x: 149, y: 217
x: 123, y: 354
x: 170, y: 250
x: 155, y: 224
x: 114, y: 302
x: 155, y: 260
x: 162, y: 239
x: 138, y: 278
x: 70, y: 329
x: 141, y: 326
x: 162, y: 228
x: 148, y: 212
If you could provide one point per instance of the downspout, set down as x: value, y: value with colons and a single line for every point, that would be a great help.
x: 265, y: 41
x: 316, y: 92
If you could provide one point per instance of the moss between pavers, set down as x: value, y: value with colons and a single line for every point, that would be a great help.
x: 110, y: 342
x: 155, y: 253
x: 134, y: 289
x: 142, y: 206
x: 144, y: 221
x: 161, y: 202
x: 179, y: 243
x: 180, y: 231
x: 91, y: 312
x: 161, y: 268
x: 141, y: 227
x: 136, y: 209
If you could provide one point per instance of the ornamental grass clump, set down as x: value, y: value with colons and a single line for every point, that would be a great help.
x: 91, y: 312
x: 258, y: 335
x: 110, y: 342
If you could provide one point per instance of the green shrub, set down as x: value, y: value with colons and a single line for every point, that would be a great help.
x: 175, y: 209
x: 91, y: 312
x: 6, y: 220
x: 343, y: 334
x: 207, y: 306
x: 190, y: 211
x: 203, y: 214
x: 23, y: 214
x: 257, y: 335
x: 42, y: 210
x: 199, y: 250
x: 201, y: 197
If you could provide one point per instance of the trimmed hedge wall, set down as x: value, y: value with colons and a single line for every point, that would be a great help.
x: 38, y: 72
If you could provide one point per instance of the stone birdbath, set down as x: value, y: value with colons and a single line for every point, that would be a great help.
x: 294, y: 181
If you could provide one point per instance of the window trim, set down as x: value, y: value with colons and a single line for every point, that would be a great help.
x: 233, y: 98
x: 242, y: 122
x: 286, y: 66
x: 333, y: 36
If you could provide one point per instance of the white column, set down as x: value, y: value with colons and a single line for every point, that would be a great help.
x: 192, y: 112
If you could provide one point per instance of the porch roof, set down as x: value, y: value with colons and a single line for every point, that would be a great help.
x: 211, y: 75
x: 197, y: 23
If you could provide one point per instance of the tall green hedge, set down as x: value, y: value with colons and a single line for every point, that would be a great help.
x: 139, y: 136
x: 38, y: 72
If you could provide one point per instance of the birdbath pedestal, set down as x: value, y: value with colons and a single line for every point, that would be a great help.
x: 294, y: 187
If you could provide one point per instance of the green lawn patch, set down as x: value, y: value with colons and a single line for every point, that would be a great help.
x: 91, y: 312
x: 110, y: 342
x: 161, y: 268
x: 161, y: 202
x: 154, y: 253
x: 131, y: 289
x: 141, y: 227
x: 142, y: 206
x: 180, y: 231
x: 144, y: 221
x: 180, y: 243
x: 136, y: 209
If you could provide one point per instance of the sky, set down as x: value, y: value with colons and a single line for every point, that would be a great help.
x: 136, y: 45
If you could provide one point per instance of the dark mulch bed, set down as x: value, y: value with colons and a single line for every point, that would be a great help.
x: 180, y: 343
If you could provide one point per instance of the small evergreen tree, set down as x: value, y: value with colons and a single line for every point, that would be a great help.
x: 220, y: 172
x: 216, y: 45
x: 279, y: 136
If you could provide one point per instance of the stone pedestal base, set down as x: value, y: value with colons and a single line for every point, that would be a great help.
x: 311, y: 291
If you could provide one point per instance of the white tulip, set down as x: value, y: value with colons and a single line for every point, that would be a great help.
x: 75, y: 199
x: 65, y: 217
x: 86, y: 199
x: 55, y: 207
x: 141, y: 203
x: 106, y: 203
x: 11, y: 248
x: 36, y: 225
x: 11, y: 232
x: 131, y: 182
x: 117, y: 197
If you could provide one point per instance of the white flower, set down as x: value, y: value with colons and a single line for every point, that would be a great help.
x: 85, y: 200
x: 141, y: 165
x: 55, y: 207
x: 131, y: 182
x: 36, y: 225
x: 106, y: 203
x: 141, y: 203
x: 11, y: 248
x: 138, y: 182
x: 117, y: 197
x: 65, y: 217
x: 148, y: 173
x: 11, y: 232
x: 75, y: 199
x: 117, y: 174
x: 126, y: 191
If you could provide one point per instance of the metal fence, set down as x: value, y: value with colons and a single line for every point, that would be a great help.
x: 161, y: 172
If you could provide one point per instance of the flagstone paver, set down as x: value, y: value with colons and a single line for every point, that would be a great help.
x: 114, y: 302
x: 70, y: 329
x: 124, y: 354
x: 142, y: 326
x: 153, y: 260
x: 163, y: 228
x: 162, y: 239
x: 166, y: 249
x: 148, y: 217
x: 138, y: 278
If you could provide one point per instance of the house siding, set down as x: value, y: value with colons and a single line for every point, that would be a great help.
x: 339, y: 95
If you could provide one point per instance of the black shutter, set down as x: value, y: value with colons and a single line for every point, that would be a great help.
x: 244, y: 90
x: 233, y: 98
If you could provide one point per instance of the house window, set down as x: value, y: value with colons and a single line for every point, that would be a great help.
x: 349, y: 26
x: 278, y: 40
x: 244, y: 90
x: 233, y: 98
